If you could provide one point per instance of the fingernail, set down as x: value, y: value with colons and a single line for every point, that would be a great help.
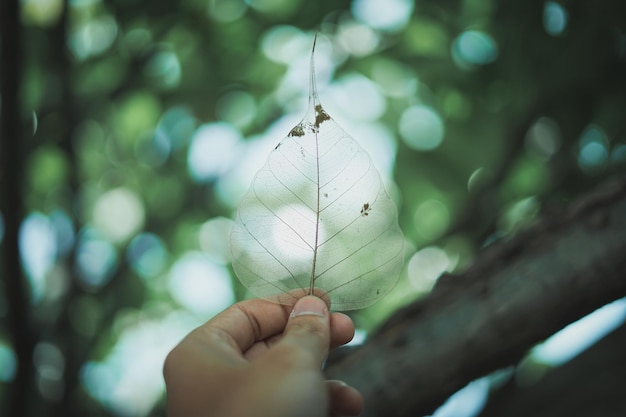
x: 309, y: 306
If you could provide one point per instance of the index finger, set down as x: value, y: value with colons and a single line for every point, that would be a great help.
x: 249, y: 321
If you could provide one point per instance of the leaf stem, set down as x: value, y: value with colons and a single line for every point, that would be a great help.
x: 313, y: 100
x: 317, y: 219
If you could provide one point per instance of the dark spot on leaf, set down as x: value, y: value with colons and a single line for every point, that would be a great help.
x: 320, y: 115
x: 365, y: 210
x: 377, y: 291
x: 296, y: 131
x: 277, y: 146
x: 302, y: 152
x: 326, y: 195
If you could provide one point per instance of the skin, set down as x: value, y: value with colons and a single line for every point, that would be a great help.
x: 258, y: 358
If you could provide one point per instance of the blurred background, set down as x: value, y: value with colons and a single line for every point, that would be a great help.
x: 139, y: 125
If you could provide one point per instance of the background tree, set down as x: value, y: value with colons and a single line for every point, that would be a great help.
x: 131, y: 128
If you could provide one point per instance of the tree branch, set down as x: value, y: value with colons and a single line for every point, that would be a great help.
x: 591, y: 384
x: 519, y: 292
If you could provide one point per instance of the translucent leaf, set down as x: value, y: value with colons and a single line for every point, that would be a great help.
x: 317, y: 219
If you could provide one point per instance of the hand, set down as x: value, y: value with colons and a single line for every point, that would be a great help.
x: 259, y: 358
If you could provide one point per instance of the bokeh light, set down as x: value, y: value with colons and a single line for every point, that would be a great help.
x: 8, y: 363
x: 394, y: 79
x: 177, y: 126
x: 618, y: 156
x: 41, y: 12
x: 96, y: 258
x: 164, y: 68
x: 593, y: 148
x: 64, y: 232
x: 578, y: 336
x: 47, y: 168
x: 431, y: 219
x: 136, y: 39
x: 528, y: 176
x: 544, y: 138
x: 38, y: 250
x: 233, y: 184
x: 421, y: 128
x: 359, y: 338
x: 467, y: 402
x: 427, y: 37
x: 356, y: 97
x: 93, y: 36
x: 472, y: 48
x: 426, y: 266
x: 282, y: 42
x: 214, y: 239
x: 119, y: 214
x: 555, y: 18
x: 201, y: 285
x: 237, y: 108
x: 49, y: 362
x: 519, y: 214
x: 135, y: 361
x: 275, y: 8
x: 226, y: 10
x: 293, y: 91
x: 388, y: 15
x: 155, y: 150
x: 213, y: 150
x: 356, y: 38
x: 147, y: 256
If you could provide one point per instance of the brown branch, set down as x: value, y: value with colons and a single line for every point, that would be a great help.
x: 591, y: 384
x: 519, y: 292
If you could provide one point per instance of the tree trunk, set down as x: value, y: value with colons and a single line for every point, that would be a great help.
x: 16, y: 288
x: 518, y: 293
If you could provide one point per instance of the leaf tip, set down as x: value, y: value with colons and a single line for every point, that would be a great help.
x: 313, y: 97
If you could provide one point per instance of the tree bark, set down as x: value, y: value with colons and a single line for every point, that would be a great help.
x: 518, y: 293
x: 591, y: 384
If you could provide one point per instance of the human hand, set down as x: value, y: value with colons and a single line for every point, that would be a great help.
x: 259, y: 358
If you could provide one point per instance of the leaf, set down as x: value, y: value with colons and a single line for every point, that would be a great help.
x: 317, y: 218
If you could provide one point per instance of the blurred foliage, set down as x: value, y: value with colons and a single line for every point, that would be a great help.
x: 144, y: 118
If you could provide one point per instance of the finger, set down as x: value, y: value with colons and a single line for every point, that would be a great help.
x: 308, y: 329
x: 344, y: 400
x: 341, y: 332
x: 246, y: 322
x: 341, y: 329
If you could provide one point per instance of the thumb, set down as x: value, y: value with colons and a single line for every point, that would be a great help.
x: 309, y: 328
